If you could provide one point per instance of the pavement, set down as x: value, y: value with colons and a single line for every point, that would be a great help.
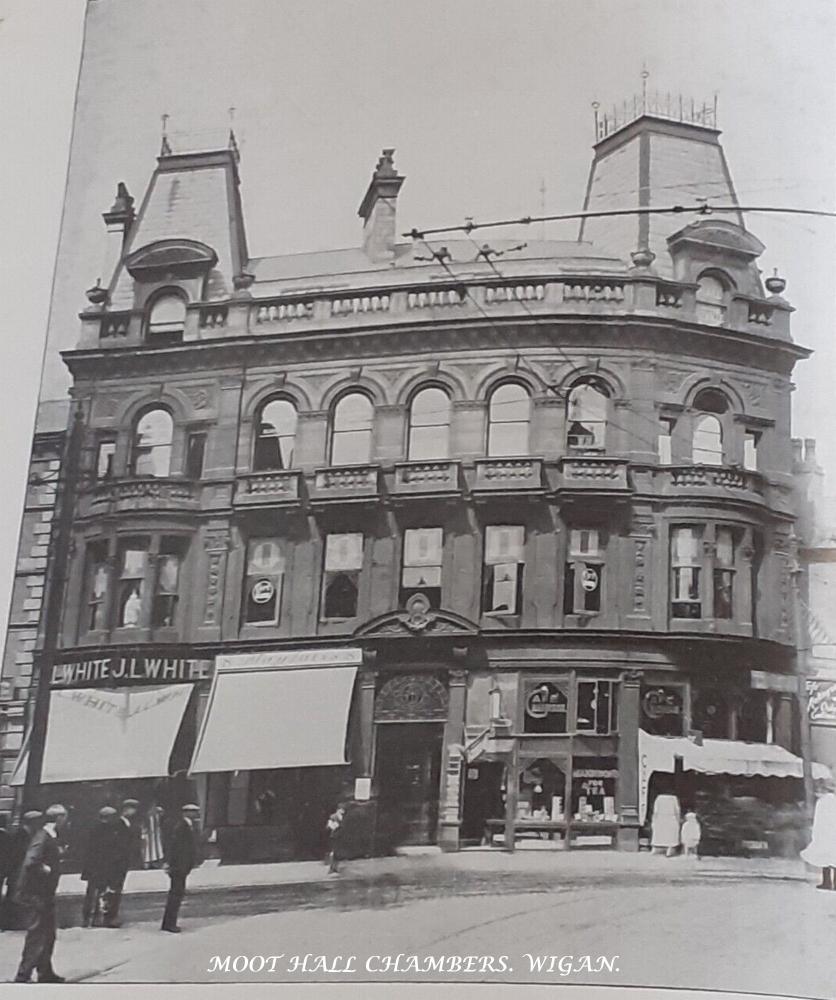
x: 715, y: 923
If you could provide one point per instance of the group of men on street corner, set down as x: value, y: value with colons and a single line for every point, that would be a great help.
x: 114, y: 846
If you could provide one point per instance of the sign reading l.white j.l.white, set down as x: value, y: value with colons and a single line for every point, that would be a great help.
x: 115, y: 671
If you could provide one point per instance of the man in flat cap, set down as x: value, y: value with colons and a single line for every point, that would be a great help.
x: 99, y: 869
x: 19, y: 841
x: 35, y: 891
x: 182, y: 854
x: 128, y: 854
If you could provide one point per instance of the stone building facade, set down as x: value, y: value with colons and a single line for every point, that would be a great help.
x: 440, y: 526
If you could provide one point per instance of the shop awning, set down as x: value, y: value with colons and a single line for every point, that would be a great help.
x: 767, y: 760
x: 96, y: 735
x: 271, y: 711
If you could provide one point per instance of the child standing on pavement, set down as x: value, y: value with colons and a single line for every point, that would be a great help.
x: 690, y: 835
x: 335, y: 830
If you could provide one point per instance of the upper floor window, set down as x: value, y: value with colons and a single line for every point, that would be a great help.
x: 503, y: 570
x: 509, y: 416
x: 704, y: 571
x: 351, y: 430
x: 341, y: 576
x: 422, y: 561
x: 97, y: 586
x: 751, y: 440
x: 195, y: 454
x: 584, y: 576
x: 275, y: 435
x: 664, y: 440
x: 711, y: 300
x: 586, y: 415
x: 707, y: 441
x: 686, y: 572
x: 148, y: 586
x: 264, y: 582
x: 151, y: 453
x: 429, y: 424
x: 104, y: 459
x: 166, y: 318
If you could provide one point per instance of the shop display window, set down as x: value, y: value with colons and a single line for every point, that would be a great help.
x: 542, y: 790
x: 663, y: 709
x: 546, y: 707
x: 594, y: 790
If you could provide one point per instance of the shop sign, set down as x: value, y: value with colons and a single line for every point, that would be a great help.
x: 116, y: 671
x: 545, y: 699
x: 589, y: 579
x: 263, y: 591
x: 821, y: 701
x: 661, y: 701
x: 594, y: 772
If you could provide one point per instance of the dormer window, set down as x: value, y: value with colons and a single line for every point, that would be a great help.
x: 166, y: 319
x: 711, y: 300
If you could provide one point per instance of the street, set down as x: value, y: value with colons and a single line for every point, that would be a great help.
x: 602, y: 918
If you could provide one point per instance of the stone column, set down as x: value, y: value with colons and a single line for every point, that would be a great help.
x: 783, y: 720
x: 365, y: 723
x: 628, y: 762
x: 452, y: 764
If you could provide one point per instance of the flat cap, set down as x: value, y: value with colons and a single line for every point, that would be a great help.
x: 107, y: 811
x: 54, y: 811
x: 130, y: 802
x: 190, y: 807
x: 33, y: 814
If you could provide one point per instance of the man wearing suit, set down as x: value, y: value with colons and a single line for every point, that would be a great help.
x: 99, y: 870
x: 181, y: 856
x: 35, y: 891
x: 19, y: 841
x: 128, y: 854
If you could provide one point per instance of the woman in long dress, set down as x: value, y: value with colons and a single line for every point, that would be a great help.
x: 665, y: 825
x: 821, y: 851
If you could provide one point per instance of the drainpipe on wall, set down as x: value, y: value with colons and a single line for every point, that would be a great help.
x: 801, y: 673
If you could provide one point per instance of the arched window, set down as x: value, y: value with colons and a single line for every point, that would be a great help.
x: 166, y: 317
x: 151, y: 452
x: 711, y: 300
x: 509, y: 415
x: 429, y: 424
x: 275, y: 435
x: 351, y: 430
x: 707, y: 440
x: 586, y: 415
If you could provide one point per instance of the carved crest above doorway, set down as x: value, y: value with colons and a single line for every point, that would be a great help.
x: 411, y: 698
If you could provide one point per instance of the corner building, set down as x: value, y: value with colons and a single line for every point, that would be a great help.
x: 476, y: 538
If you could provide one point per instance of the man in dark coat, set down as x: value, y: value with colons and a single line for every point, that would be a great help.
x: 181, y: 856
x: 128, y: 855
x: 19, y: 841
x: 99, y: 869
x: 35, y: 891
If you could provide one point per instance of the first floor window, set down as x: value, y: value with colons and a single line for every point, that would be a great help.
x: 597, y: 707
x: 421, y: 571
x: 503, y: 570
x: 686, y: 569
x: 664, y: 440
x: 341, y: 577
x: 132, y: 577
x: 167, y: 584
x: 723, y: 572
x: 104, y: 459
x: 195, y: 454
x: 751, y: 440
x: 584, y: 577
x: 264, y: 582
x: 97, y: 586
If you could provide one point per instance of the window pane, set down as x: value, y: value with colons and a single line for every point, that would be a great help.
x: 344, y: 552
x: 509, y: 403
x: 168, y: 573
x: 430, y: 408
x: 685, y: 546
x: 429, y: 443
x: 504, y: 587
x: 724, y: 538
x: 723, y: 585
x: 340, y: 595
x: 275, y: 435
x: 750, y: 452
x: 130, y: 602
x: 264, y: 556
x: 504, y: 543
x: 353, y: 413
x: 351, y: 448
x: 168, y: 315
x: 586, y: 706
x: 195, y: 453
x: 507, y: 439
x: 418, y: 577
x: 133, y: 562
x: 708, y: 441
x: 422, y: 546
x: 104, y: 461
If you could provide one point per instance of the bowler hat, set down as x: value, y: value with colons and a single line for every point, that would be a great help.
x: 190, y: 807
x: 107, y: 811
x: 32, y: 815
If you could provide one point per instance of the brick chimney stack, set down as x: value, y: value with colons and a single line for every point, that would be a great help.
x: 378, y: 210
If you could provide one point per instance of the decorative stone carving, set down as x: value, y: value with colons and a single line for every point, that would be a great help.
x: 412, y: 697
x: 199, y: 396
x: 417, y: 619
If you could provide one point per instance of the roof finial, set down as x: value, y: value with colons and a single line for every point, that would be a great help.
x: 165, y: 147
x: 233, y: 142
x: 645, y: 75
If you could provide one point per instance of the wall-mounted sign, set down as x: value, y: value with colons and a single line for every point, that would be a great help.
x: 116, y: 671
x: 589, y: 579
x: 263, y: 591
x: 659, y: 701
x: 821, y: 700
x: 545, y: 699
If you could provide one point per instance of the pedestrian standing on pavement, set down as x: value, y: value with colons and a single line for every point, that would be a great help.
x: 35, y: 892
x: 664, y: 827
x: 30, y: 823
x: 690, y: 835
x: 821, y: 851
x: 182, y: 855
x: 336, y: 837
x: 99, y: 869
x: 128, y: 855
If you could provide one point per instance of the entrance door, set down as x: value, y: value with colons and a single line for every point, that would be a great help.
x: 483, y: 799
x: 408, y: 770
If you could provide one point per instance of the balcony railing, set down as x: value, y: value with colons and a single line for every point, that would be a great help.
x: 590, y: 475
x: 699, y: 479
x: 507, y: 475
x: 347, y: 482
x: 122, y: 495
x: 274, y: 487
x: 430, y: 477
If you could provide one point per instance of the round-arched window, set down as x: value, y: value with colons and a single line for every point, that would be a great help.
x: 509, y: 416
x: 586, y: 415
x: 167, y: 317
x: 151, y: 452
x: 275, y: 435
x: 429, y: 424
x: 351, y: 430
x: 711, y: 300
x: 707, y: 440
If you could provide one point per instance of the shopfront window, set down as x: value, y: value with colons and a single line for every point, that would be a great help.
x: 264, y: 582
x: 711, y: 713
x: 597, y: 707
x: 421, y: 570
x: 584, y: 576
x: 594, y: 783
x: 503, y: 569
x: 542, y: 791
x: 547, y: 707
x: 341, y: 578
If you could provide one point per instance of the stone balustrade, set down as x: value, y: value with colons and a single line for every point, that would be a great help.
x: 346, y: 482
x: 274, y: 487
x: 593, y: 474
x: 498, y: 475
x: 134, y: 494
x: 428, y: 477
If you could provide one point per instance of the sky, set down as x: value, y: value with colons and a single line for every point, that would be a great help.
x: 485, y: 102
